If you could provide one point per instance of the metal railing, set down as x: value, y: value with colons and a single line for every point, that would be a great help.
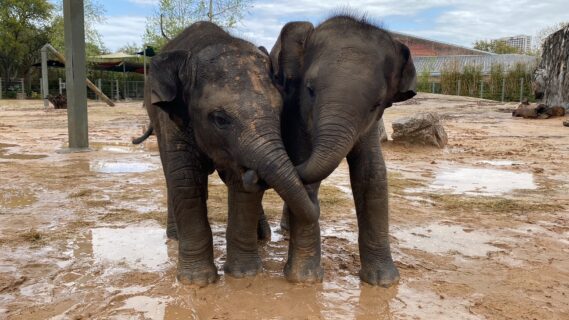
x: 484, y: 89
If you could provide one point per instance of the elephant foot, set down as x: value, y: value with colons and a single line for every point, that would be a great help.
x: 383, y: 274
x: 171, y: 232
x: 200, y: 277
x: 263, y: 230
x: 242, y: 269
x: 306, y: 270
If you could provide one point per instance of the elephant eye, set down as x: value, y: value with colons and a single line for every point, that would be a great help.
x: 220, y: 119
x: 310, y: 90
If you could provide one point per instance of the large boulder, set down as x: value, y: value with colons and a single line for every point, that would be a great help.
x: 566, y: 123
x: 541, y: 111
x: 422, y: 129
x: 382, y: 132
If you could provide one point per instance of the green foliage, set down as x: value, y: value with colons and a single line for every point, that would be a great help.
x: 130, y: 48
x: 176, y: 15
x: 495, y: 46
x: 24, y: 29
x: 94, y: 13
x: 470, y: 81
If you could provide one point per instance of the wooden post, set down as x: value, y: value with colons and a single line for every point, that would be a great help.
x: 75, y: 73
x: 44, y: 79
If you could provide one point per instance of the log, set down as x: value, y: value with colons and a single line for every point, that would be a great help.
x: 551, y: 79
x: 90, y: 84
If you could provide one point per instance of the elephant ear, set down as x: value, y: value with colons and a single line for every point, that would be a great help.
x: 407, y: 88
x: 168, y: 76
x: 287, y: 54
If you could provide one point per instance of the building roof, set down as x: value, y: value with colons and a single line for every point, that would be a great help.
x: 417, y: 52
x: 434, y: 65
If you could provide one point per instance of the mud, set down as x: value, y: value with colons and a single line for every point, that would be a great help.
x: 479, y: 229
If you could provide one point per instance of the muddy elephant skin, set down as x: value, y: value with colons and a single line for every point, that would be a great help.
x: 212, y: 105
x: 337, y: 79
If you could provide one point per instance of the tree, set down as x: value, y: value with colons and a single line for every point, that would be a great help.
x: 24, y: 29
x: 130, y: 48
x: 173, y: 16
x: 544, y: 33
x: 94, y: 13
x: 495, y: 46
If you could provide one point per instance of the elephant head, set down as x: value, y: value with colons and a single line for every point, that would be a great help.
x: 223, y: 95
x: 342, y: 75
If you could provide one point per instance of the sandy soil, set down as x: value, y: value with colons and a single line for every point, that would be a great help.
x: 480, y: 229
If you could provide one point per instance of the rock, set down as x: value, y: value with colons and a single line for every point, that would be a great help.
x: 540, y: 111
x: 556, y: 111
x: 566, y: 123
x: 423, y: 129
x: 382, y: 132
x: 526, y: 111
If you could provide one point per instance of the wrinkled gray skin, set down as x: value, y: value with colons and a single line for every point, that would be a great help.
x: 213, y: 105
x: 337, y: 79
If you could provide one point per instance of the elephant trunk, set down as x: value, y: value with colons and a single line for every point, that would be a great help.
x: 276, y: 169
x: 333, y: 140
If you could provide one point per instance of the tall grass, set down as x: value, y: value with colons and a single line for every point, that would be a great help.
x: 470, y: 81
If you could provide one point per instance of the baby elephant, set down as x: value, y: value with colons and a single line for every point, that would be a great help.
x: 212, y: 105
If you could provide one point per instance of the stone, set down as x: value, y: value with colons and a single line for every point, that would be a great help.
x: 556, y: 111
x: 421, y: 129
x: 539, y: 111
x: 526, y: 111
x: 566, y: 123
x: 382, y: 132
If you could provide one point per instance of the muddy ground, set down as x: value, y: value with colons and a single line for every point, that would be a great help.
x: 480, y: 229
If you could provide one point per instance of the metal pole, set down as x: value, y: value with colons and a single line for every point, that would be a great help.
x: 433, y: 87
x: 0, y: 88
x: 118, y: 90
x: 458, y: 88
x: 521, y: 89
x: 481, y: 89
x: 210, y: 13
x: 23, y: 91
x: 503, y: 88
x: 60, y: 86
x: 75, y: 73
x: 144, y: 60
x: 44, y: 77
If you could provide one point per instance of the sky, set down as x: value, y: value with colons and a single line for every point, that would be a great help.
x: 460, y: 22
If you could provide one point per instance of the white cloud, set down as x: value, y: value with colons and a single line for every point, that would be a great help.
x: 144, y: 2
x: 120, y: 30
x: 455, y: 21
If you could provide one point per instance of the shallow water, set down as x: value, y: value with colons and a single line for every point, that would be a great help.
x: 108, y: 166
x: 480, y: 181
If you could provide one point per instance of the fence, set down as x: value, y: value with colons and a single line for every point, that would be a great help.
x: 485, y: 89
x: 115, y: 89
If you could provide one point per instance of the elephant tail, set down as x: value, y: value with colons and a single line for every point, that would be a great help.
x: 144, y: 136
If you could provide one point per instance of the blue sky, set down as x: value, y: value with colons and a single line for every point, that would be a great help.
x: 456, y: 21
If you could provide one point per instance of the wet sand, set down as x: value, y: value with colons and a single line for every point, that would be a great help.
x: 480, y: 229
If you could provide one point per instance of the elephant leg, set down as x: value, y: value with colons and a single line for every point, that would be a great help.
x: 244, y: 217
x: 304, y: 251
x: 186, y: 171
x: 263, y: 227
x: 368, y: 177
x: 171, y: 231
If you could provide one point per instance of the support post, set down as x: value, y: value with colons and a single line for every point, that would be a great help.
x: 481, y: 89
x: 458, y: 88
x: 0, y: 88
x: 44, y: 77
x: 503, y: 88
x: 100, y: 87
x: 60, y: 86
x: 433, y: 87
x: 521, y: 89
x: 23, y: 92
x: 75, y: 73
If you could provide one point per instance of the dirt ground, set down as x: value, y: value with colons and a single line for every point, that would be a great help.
x: 480, y: 229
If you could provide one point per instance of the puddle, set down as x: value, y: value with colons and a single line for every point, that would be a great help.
x: 13, y: 199
x: 429, y: 305
x: 340, y: 230
x: 440, y: 239
x: 104, y: 166
x: 340, y: 178
x: 116, y: 148
x: 487, y: 182
x: 148, y: 307
x: 501, y: 163
x: 140, y: 248
x: 5, y: 154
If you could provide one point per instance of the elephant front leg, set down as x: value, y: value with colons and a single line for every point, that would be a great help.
x: 245, y: 212
x: 171, y: 231
x: 188, y: 187
x: 368, y: 177
x: 304, y: 251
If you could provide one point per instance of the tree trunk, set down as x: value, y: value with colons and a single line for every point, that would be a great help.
x: 551, y: 80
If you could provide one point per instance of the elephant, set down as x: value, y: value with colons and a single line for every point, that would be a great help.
x: 213, y: 106
x: 336, y: 80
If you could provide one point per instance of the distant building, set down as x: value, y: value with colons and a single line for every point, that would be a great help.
x: 435, y: 65
x: 521, y: 42
x: 421, y: 47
